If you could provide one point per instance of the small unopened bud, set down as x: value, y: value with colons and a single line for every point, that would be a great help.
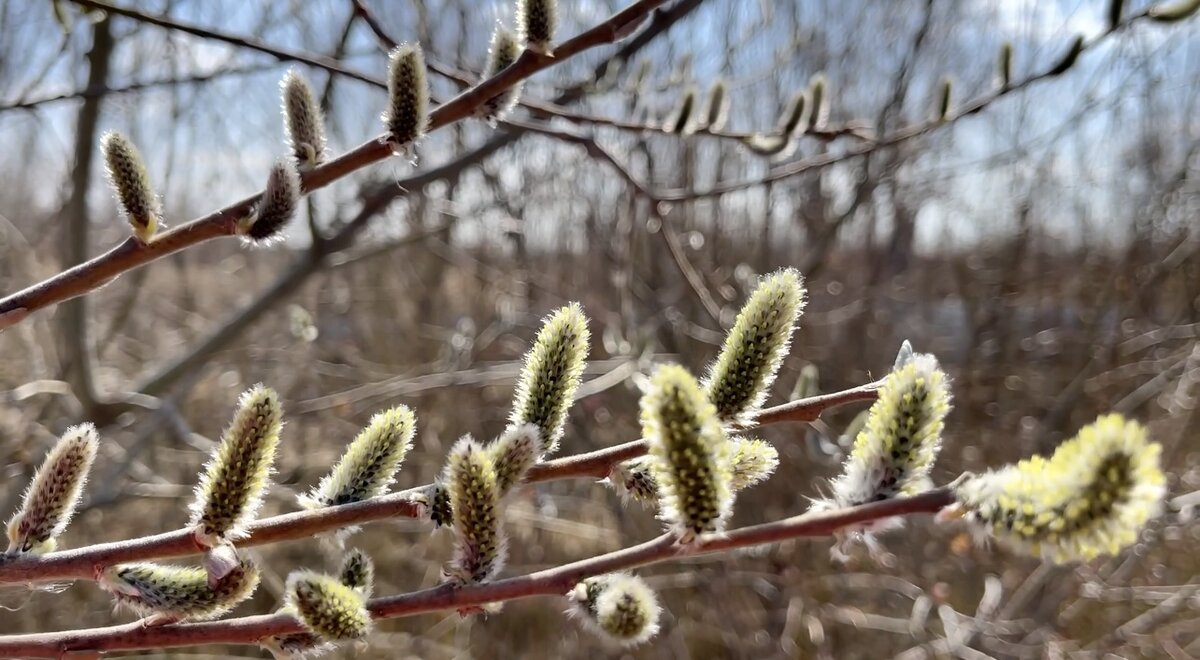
x: 945, y: 90
x: 512, y: 454
x: 617, y: 607
x: 407, y: 117
x: 1170, y: 12
x: 536, y: 20
x: 1068, y: 59
x: 370, y: 463
x: 718, y: 106
x: 895, y: 452
x: 327, y: 608
x: 277, y: 205
x: 1093, y: 496
x: 681, y: 122
x: 131, y: 183
x: 503, y: 51
x: 176, y: 593
x: 358, y: 572
x: 818, y: 90
x: 479, y: 548
x: 233, y: 483
x: 54, y: 492
x: 692, y: 457
x: 1005, y: 65
x: 739, y: 380
x: 303, y: 120
x: 550, y: 375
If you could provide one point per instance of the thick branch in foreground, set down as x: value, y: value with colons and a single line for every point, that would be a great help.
x: 132, y: 254
x: 551, y: 582
x: 83, y: 563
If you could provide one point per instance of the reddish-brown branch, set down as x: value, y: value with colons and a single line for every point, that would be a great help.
x: 82, y: 563
x: 551, y: 582
x: 131, y: 254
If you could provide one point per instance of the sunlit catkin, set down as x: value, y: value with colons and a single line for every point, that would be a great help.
x: 738, y: 382
x: 358, y: 572
x: 369, y: 464
x: 503, y: 51
x: 512, y: 454
x: 233, y: 482
x: 692, y: 457
x: 131, y: 184
x: 51, y: 497
x: 536, y: 20
x: 479, y: 547
x: 1093, y: 496
x: 894, y: 453
x: 550, y: 375
x: 327, y: 608
x: 302, y: 120
x: 276, y: 206
x: 407, y: 116
x: 178, y: 592
x: 617, y: 607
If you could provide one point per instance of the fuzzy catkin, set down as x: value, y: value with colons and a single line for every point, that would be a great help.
x: 894, y: 453
x: 407, y: 116
x: 369, y: 464
x: 1093, y: 496
x: 502, y: 53
x: 480, y: 547
x: 512, y: 454
x: 233, y: 483
x: 536, y: 20
x: 131, y: 184
x: 692, y: 457
x: 617, y: 607
x: 753, y: 461
x: 551, y: 374
x: 277, y: 205
x: 54, y: 492
x: 327, y: 608
x: 739, y: 380
x: 303, y: 120
x: 178, y: 592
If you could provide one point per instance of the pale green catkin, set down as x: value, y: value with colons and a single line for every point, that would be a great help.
x: 178, y: 592
x: 753, y: 462
x: 503, y: 51
x: 327, y: 608
x: 738, y: 382
x: 479, y: 548
x: 617, y: 607
x: 233, y: 482
x: 1093, y: 496
x: 131, y: 184
x: 692, y: 457
x: 551, y: 374
x: 370, y: 463
x: 894, y: 453
x: 407, y: 116
x: 303, y: 120
x: 358, y: 573
x: 54, y: 492
x: 536, y: 20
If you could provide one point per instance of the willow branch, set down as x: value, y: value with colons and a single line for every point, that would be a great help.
x: 131, y: 254
x: 84, y: 563
x: 554, y: 582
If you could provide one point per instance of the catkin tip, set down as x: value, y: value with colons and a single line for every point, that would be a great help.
x: 551, y: 374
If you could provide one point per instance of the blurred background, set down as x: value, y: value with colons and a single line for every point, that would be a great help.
x: 1046, y: 249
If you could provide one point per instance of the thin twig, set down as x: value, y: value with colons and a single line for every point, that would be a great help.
x: 551, y: 582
